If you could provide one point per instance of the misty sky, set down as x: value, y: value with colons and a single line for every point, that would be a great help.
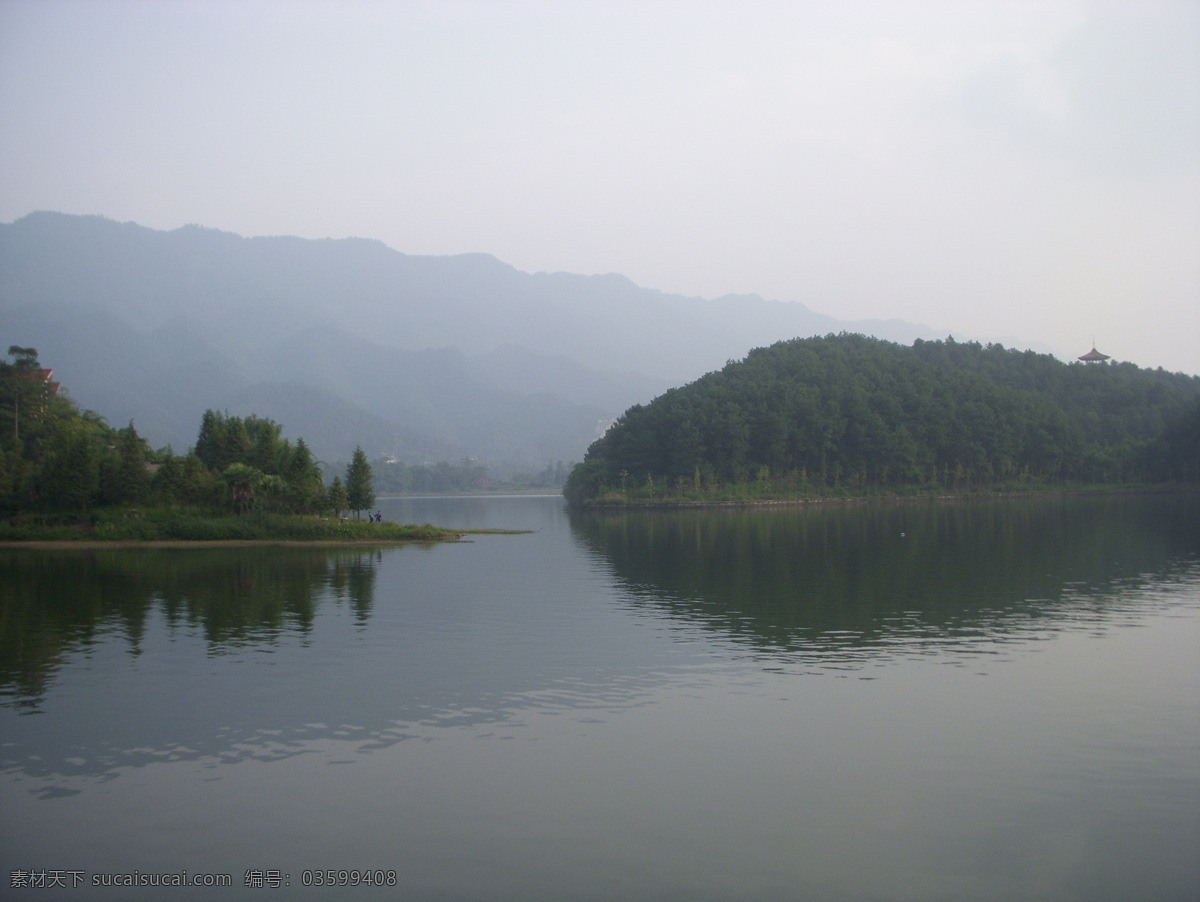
x: 991, y: 169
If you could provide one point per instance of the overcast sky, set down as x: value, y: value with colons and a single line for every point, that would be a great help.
x: 989, y: 168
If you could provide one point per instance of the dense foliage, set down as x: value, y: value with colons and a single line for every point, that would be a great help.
x: 56, y: 459
x: 848, y: 414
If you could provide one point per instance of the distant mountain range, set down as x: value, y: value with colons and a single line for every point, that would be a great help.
x: 349, y: 342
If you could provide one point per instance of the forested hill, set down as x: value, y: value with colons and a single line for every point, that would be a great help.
x: 851, y: 414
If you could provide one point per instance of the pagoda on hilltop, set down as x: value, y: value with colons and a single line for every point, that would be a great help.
x: 1094, y: 356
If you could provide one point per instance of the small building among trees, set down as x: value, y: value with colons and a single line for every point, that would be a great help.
x: 1094, y: 356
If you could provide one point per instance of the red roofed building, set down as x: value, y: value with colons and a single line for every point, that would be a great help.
x: 1094, y: 356
x: 53, y: 386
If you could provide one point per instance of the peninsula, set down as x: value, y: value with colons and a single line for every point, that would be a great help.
x: 66, y: 475
x: 851, y: 416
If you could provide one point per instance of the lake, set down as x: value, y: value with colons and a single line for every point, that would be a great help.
x: 935, y: 700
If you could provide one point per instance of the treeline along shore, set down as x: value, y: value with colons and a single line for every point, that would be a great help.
x: 834, y: 417
x: 65, y: 474
x: 848, y: 416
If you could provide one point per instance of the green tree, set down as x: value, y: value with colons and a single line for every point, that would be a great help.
x: 71, y: 477
x: 132, y: 481
x: 337, y: 499
x: 198, y: 485
x: 305, y: 486
x: 208, y: 442
x: 273, y: 493
x: 243, y: 482
x: 360, y: 494
x: 168, y: 483
x: 223, y: 440
x: 267, y: 450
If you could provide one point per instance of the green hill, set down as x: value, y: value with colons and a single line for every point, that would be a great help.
x: 848, y: 414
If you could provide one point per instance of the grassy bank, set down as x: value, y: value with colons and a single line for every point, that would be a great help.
x: 191, y: 526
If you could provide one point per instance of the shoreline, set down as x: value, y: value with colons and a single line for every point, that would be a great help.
x: 66, y: 544
x: 667, y: 504
x: 449, y: 537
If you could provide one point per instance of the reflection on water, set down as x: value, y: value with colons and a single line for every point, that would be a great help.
x: 837, y: 584
x: 227, y: 656
x: 671, y: 704
x: 56, y: 602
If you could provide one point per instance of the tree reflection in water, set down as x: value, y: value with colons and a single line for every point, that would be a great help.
x: 53, y: 603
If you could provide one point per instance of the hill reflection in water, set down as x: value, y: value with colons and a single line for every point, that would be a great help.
x: 834, y: 585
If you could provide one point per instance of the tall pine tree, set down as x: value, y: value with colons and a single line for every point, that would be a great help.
x: 360, y: 493
x: 132, y: 481
x: 336, y: 499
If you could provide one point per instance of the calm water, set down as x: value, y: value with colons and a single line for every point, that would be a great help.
x: 985, y: 700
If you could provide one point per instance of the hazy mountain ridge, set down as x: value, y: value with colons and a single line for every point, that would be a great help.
x: 441, y: 356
